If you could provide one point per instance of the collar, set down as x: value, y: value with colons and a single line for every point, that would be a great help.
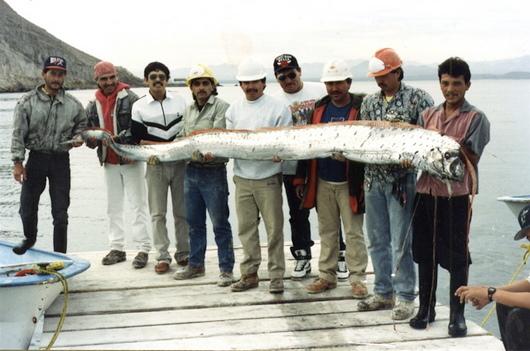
x: 402, y: 88
x: 466, y: 107
x: 210, y: 101
x: 150, y: 97
x: 45, y: 97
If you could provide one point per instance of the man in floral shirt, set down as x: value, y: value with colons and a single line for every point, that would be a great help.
x: 390, y: 190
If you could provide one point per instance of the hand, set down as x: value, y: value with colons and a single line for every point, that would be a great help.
x: 477, y: 295
x: 276, y: 159
x: 19, y: 172
x: 406, y: 163
x: 197, y: 156
x: 338, y: 156
x: 300, y: 191
x: 91, y: 143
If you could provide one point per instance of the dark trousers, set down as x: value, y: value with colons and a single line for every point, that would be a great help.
x: 298, y: 218
x: 514, y: 324
x: 55, y: 167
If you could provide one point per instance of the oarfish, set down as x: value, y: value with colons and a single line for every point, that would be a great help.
x: 374, y: 142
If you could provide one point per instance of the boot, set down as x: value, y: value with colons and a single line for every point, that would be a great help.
x: 428, y: 278
x: 21, y: 248
x: 457, y: 322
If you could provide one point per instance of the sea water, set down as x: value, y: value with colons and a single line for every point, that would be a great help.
x: 503, y: 170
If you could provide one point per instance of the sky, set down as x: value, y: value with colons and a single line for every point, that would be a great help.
x: 131, y: 33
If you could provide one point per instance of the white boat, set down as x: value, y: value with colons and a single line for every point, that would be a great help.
x: 515, y: 203
x: 24, y: 299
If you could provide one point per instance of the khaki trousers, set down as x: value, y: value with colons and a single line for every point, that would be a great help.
x: 159, y: 178
x: 255, y: 197
x: 333, y: 204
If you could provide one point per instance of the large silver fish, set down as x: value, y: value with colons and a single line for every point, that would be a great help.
x: 363, y: 141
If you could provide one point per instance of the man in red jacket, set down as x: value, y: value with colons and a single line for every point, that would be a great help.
x: 334, y: 185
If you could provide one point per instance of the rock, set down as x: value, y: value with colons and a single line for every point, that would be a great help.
x: 24, y: 47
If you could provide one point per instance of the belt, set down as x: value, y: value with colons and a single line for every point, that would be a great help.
x: 206, y: 165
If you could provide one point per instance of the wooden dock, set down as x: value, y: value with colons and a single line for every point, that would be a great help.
x: 118, y: 307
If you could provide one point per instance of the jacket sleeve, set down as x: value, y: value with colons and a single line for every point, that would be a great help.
x: 219, y: 120
x: 80, y: 119
x: 92, y: 118
x: 20, y: 129
x: 126, y: 136
x: 138, y: 129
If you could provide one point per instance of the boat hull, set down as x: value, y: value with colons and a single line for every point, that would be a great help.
x: 515, y: 203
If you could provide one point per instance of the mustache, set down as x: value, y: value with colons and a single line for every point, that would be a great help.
x: 251, y: 90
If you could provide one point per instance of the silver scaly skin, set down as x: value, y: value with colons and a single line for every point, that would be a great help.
x: 373, y: 142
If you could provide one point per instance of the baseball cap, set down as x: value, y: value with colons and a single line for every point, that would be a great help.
x: 285, y: 61
x: 54, y: 62
x: 524, y: 222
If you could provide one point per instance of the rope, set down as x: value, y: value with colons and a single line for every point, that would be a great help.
x: 52, y: 270
x: 515, y: 274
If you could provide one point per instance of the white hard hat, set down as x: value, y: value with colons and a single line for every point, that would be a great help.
x: 250, y: 70
x: 335, y: 71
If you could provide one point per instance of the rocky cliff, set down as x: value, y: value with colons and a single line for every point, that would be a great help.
x: 24, y: 47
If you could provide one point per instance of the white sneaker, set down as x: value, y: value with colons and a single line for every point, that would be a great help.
x: 342, y: 268
x: 403, y: 310
x: 302, y: 268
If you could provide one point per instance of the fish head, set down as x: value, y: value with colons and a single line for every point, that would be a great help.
x: 445, y: 164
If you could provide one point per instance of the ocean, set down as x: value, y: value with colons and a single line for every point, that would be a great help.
x: 502, y: 171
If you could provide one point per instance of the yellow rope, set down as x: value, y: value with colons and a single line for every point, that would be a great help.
x: 52, y: 269
x: 526, y: 255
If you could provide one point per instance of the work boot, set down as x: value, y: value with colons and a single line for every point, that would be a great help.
x: 276, y: 286
x: 225, y: 279
x: 402, y: 310
x: 359, y: 290
x: 320, y: 285
x: 457, y: 323
x: 24, y: 245
x: 140, y: 261
x: 246, y: 282
x: 113, y: 257
x: 189, y: 273
x: 302, y: 268
x: 342, y: 268
x: 376, y: 302
x: 428, y: 278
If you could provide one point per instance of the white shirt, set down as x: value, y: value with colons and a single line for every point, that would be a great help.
x: 264, y: 112
x: 302, y: 105
x: 163, y: 119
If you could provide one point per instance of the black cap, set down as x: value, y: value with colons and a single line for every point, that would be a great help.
x: 284, y: 61
x: 524, y: 222
x: 54, y: 62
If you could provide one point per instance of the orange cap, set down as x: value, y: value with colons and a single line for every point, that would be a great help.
x: 384, y: 61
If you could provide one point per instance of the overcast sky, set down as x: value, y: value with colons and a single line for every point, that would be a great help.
x: 131, y: 33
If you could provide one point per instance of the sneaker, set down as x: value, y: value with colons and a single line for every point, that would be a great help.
x: 140, y: 261
x: 246, y: 282
x: 302, y: 268
x: 375, y: 302
x: 276, y: 286
x: 342, y: 269
x: 225, y: 279
x: 114, y: 256
x: 189, y: 273
x: 320, y: 285
x: 359, y: 290
x: 403, y: 310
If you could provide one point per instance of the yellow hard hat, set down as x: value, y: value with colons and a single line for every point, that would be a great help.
x: 200, y: 71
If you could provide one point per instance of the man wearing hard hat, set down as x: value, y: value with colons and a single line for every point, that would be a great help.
x: 205, y: 184
x: 335, y: 187
x: 389, y: 192
x: 258, y: 183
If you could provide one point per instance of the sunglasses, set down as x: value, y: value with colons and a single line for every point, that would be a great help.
x: 160, y: 76
x: 290, y: 75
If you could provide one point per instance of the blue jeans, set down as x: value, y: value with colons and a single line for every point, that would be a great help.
x: 206, y: 188
x: 388, y: 225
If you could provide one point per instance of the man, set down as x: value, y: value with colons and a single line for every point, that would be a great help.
x: 389, y: 191
x: 441, y: 220
x: 334, y: 185
x: 205, y: 185
x: 111, y: 110
x: 513, y: 300
x: 44, y: 119
x: 301, y: 98
x: 258, y: 183
x: 156, y: 118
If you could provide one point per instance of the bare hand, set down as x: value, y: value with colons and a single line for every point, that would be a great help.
x: 300, y: 191
x: 338, y: 156
x: 406, y: 163
x: 19, y: 173
x: 276, y: 158
x: 91, y: 143
x: 476, y: 295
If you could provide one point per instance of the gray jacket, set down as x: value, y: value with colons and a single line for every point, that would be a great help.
x: 43, y: 123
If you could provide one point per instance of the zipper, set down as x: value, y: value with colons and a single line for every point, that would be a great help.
x: 163, y: 112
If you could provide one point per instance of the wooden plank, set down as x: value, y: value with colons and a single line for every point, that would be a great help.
x: 372, y: 336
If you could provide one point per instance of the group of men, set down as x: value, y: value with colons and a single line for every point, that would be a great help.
x: 424, y: 221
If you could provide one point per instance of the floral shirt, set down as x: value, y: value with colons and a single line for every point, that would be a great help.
x: 405, y: 106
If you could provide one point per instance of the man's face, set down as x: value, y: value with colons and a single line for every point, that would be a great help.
x: 156, y: 81
x: 338, y: 91
x: 389, y: 83
x: 107, y: 83
x: 453, y: 88
x: 253, y: 90
x: 54, y: 79
x: 290, y: 80
x: 202, y: 88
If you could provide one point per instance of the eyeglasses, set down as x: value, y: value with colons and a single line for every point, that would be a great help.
x: 198, y: 83
x: 290, y: 75
x: 160, y: 76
